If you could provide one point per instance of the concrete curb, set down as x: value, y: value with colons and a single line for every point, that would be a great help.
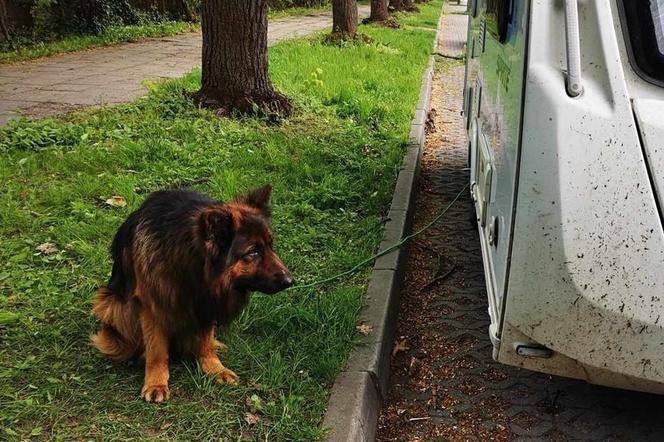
x: 359, y: 390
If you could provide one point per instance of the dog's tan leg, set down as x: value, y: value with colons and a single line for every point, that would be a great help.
x: 155, y: 387
x: 209, y: 361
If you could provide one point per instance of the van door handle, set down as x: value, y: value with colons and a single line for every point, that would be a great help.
x: 573, y: 83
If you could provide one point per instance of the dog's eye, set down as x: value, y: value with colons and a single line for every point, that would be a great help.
x: 252, y: 254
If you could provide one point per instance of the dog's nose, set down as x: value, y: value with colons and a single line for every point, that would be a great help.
x: 286, y: 280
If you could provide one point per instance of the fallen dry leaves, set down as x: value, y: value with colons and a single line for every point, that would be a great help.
x: 365, y: 329
x: 400, y: 345
x: 252, y: 419
x: 116, y: 201
x: 48, y: 248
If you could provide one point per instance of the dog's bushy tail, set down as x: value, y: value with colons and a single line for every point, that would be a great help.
x: 119, y: 337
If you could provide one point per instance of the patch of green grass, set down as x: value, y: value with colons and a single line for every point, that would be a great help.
x: 333, y: 166
x: 298, y: 11
x: 427, y: 17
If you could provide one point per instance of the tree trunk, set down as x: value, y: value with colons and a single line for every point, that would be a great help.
x: 396, y: 5
x: 379, y: 11
x: 235, y: 65
x: 408, y: 5
x: 344, y: 18
x: 4, y: 23
x: 402, y: 5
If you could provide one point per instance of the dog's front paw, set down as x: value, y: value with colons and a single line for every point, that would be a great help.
x: 155, y: 393
x: 226, y: 376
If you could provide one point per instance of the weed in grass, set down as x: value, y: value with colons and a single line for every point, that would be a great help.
x: 333, y: 165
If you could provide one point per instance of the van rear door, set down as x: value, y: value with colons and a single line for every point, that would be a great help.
x: 494, y: 93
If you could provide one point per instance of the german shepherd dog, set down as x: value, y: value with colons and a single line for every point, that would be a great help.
x: 184, y: 263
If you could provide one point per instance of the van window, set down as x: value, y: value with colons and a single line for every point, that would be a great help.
x: 644, y: 33
x: 499, y: 15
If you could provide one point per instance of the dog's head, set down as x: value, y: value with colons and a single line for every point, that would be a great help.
x: 238, y: 245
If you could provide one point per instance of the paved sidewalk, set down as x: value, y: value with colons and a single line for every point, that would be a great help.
x: 64, y: 83
x: 453, y: 31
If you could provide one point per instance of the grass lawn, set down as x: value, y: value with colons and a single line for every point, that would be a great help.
x: 333, y: 166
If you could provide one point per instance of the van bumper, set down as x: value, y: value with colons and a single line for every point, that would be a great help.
x: 559, y: 364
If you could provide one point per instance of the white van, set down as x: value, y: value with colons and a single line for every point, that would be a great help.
x: 564, y: 108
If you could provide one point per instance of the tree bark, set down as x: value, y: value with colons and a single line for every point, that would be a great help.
x: 395, y: 5
x: 344, y: 18
x: 235, y: 64
x: 379, y: 11
x: 408, y: 5
x: 402, y: 5
x: 4, y: 23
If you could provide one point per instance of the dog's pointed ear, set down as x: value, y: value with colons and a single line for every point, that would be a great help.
x: 259, y: 198
x: 215, y: 226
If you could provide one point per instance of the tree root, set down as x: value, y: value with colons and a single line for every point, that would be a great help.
x: 389, y: 23
x: 451, y: 57
x: 271, y: 104
x: 341, y: 38
x: 411, y: 8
